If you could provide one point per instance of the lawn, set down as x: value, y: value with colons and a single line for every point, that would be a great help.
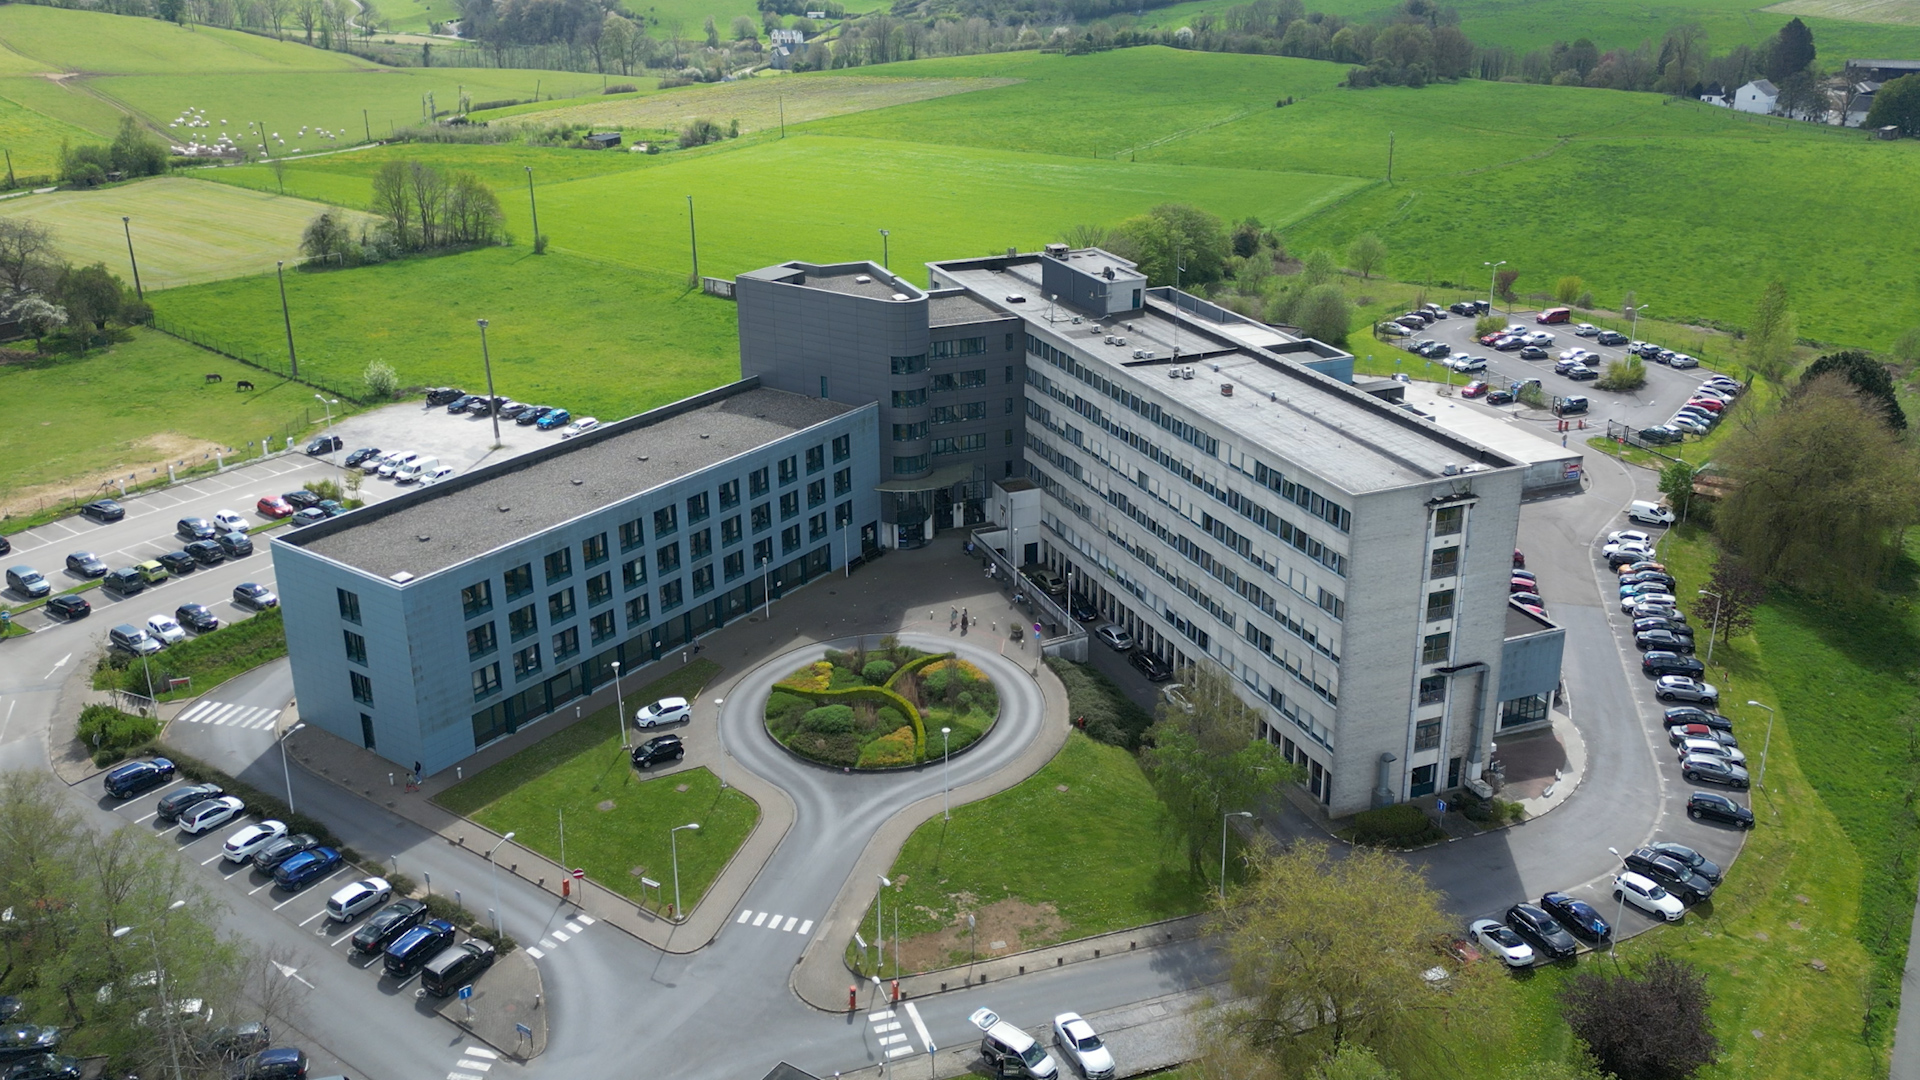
x: 346, y: 179
x: 400, y: 16
x: 615, y: 818
x: 208, y: 659
x: 61, y: 39
x: 33, y: 139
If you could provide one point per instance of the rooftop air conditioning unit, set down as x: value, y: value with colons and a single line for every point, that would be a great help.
x: 1450, y: 469
x: 1143, y: 354
x: 901, y: 296
x: 1186, y: 373
x: 1077, y: 320
x: 1226, y: 389
x: 1111, y: 340
x: 1173, y: 373
x: 863, y: 279
x: 1058, y: 251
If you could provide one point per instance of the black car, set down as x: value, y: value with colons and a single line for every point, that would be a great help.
x: 1711, y: 806
x: 1688, y: 858
x: 1438, y: 350
x: 270, y: 857
x: 1502, y: 397
x: 361, y: 456
x: 1682, y: 882
x: 1542, y: 931
x: 9, y: 1005
x: 1696, y: 768
x: 459, y: 404
x: 21, y: 1040
x: 443, y: 394
x: 175, y: 802
x: 103, y: 511
x: 178, y: 562
x: 1663, y: 641
x: 325, y: 444
x: 45, y: 1067
x: 387, y: 924
x: 301, y: 499
x: 1582, y: 373
x: 207, y: 552
x: 1635, y: 577
x: 532, y: 415
x: 1662, y: 662
x: 70, y: 607
x: 1690, y: 714
x: 1576, y: 915
x: 512, y: 409
x: 1082, y: 608
x: 237, y: 1042
x: 126, y: 781
x: 1674, y: 626
x: 279, y: 1063
x: 194, y: 528
x: 6, y: 546
x: 1569, y: 406
x: 1509, y: 343
x: 86, y: 564
x: 658, y: 750
x: 236, y: 545
x: 1151, y: 665
x: 1611, y: 337
x: 411, y: 950
x: 196, y: 618
x: 252, y: 595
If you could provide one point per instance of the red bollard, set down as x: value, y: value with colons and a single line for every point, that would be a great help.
x: 896, y: 991
x: 853, y: 998
x: 566, y: 888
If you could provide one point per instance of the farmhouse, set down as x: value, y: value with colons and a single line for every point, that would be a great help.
x: 1758, y: 96
x: 1880, y: 71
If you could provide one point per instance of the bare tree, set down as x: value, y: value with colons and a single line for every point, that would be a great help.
x: 428, y: 186
x: 391, y: 200
x: 26, y: 250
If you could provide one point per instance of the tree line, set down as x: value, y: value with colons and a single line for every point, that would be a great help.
x: 133, y: 153
x: 50, y: 298
x: 1683, y: 63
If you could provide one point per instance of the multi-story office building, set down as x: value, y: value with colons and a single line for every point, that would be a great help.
x: 426, y: 626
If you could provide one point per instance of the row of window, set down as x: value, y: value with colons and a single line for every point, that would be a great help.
x: 958, y: 380
x: 1151, y: 411
x: 942, y: 350
x: 1305, y: 498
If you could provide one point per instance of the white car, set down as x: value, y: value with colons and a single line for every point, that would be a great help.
x: 665, y: 711
x: 1658, y: 599
x: 1464, y: 364
x: 1630, y: 536
x: 1711, y: 748
x: 399, y: 460
x: 1538, y: 337
x: 437, y: 475
x: 1575, y: 356
x: 242, y: 845
x: 228, y: 521
x: 580, y: 427
x: 1116, y: 638
x: 1080, y: 1044
x: 1498, y: 939
x: 1642, y: 893
x: 1686, y: 688
x: 164, y: 630
x: 1586, y: 330
x: 210, y: 814
x: 358, y: 898
x: 1392, y: 329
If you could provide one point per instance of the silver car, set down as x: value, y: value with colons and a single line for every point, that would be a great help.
x: 1080, y: 1044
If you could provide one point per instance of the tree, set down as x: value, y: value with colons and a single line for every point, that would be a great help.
x: 616, y: 40
x: 26, y: 254
x: 1568, y: 289
x: 1770, y: 336
x: 428, y: 187
x: 278, y: 166
x: 38, y: 316
x: 713, y: 33
x: 1820, y: 491
x: 1676, y: 483
x: 744, y: 30
x: 1325, y: 314
x: 1503, y: 284
x: 1907, y: 346
x: 1207, y: 759
x: 1248, y: 237
x: 327, y: 237
x: 1317, y: 268
x: 1897, y: 104
x: 1326, y: 952
x: 1790, y: 51
x: 1085, y: 236
x: 1627, y: 373
x: 392, y: 202
x: 1352, y: 1062
x: 1736, y: 593
x: 135, y: 153
x: 1802, y: 97
x: 1869, y: 376
x: 91, y: 295
x: 473, y: 211
x: 1650, y: 1024
x: 1366, y: 253
x: 1487, y: 324
x: 380, y: 380
x: 1174, y: 240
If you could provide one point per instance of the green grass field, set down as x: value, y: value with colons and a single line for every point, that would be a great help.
x: 60, y: 39
x: 418, y: 16
x: 208, y: 659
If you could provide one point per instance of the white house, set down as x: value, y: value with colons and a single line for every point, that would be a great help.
x: 1715, y: 94
x: 1757, y: 96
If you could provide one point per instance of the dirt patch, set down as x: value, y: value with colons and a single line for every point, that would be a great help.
x: 604, y: 805
x: 144, y: 458
x: 1002, y: 927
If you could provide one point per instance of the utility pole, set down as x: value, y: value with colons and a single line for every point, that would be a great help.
x: 280, y: 270
x: 127, y: 224
x: 366, y: 125
x: 538, y: 248
x: 493, y: 403
x: 693, y: 238
x: 1389, y: 157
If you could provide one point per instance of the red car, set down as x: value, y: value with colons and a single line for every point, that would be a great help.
x: 1522, y: 585
x: 1473, y: 389
x: 1712, y: 405
x: 274, y: 506
x: 1489, y: 339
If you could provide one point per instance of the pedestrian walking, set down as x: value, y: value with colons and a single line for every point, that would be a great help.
x: 953, y: 618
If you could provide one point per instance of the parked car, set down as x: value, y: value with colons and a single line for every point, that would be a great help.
x: 194, y: 528
x: 1474, y: 389
x: 131, y: 639
x: 1648, y: 896
x: 671, y: 710
x: 1115, y: 637
x: 1576, y: 915
x: 1082, y: 1046
x: 312, y: 515
x: 580, y: 427
x: 276, y: 1063
x: 126, y: 781
x: 165, y: 629
x: 511, y: 409
x: 1502, y: 397
x: 306, y: 868
x: 1688, y: 714
x: 383, y: 926
x: 459, y: 404
x: 301, y: 499
x: 28, y: 582
x: 269, y: 857
x: 227, y: 521
x: 1498, y: 939
x: 1533, y: 352
x: 1661, y: 435
x: 1082, y: 609
x: 1611, y: 337
x: 210, y: 814
x: 1707, y: 745
x: 1683, y: 688
x: 257, y: 597
x: 69, y: 607
x: 206, y: 552
x: 456, y: 966
x: 1569, y: 406
x: 394, y: 462
x: 532, y: 414
x: 248, y: 842
x: 177, y: 563
x: 1583, y: 373
x: 411, y: 950
x: 554, y: 419
x: 1688, y: 858
x: 325, y: 444
x: 151, y: 571
x: 1663, y: 641
x: 1010, y: 1051
x: 364, y: 458
x: 355, y: 900
x: 1708, y: 768
x: 1661, y: 662
x: 657, y: 751
x: 1681, y: 733
x: 45, y: 1067
x: 1151, y: 665
x: 86, y: 564
x: 1465, y: 364
x: 104, y: 511
x: 1540, y: 929
x: 238, y: 1040
x: 196, y: 618
x: 1711, y: 806
x: 18, y: 1041
x: 1677, y: 879
x: 177, y: 801
x: 442, y: 394
x: 1391, y: 329
x: 235, y: 545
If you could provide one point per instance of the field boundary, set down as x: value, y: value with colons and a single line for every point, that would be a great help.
x: 191, y: 337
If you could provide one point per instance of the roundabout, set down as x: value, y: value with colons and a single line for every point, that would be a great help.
x: 889, y: 707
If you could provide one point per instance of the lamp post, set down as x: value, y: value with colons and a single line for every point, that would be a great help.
x: 1493, y: 272
x: 1223, y: 846
x: 1766, y: 744
x: 538, y: 248
x: 1619, y: 911
x: 329, y: 403
x: 885, y: 250
x: 722, y: 730
x: 160, y: 984
x: 496, y: 880
x: 673, y: 840
x: 619, y: 707
x: 286, y: 773
x: 693, y: 240
x: 492, y: 405
x: 280, y: 270
x: 879, y: 943
x: 127, y: 224
x: 946, y: 756
x: 1635, y: 332
x: 1713, y: 630
x: 766, y: 590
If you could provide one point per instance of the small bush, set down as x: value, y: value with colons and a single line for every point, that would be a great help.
x: 829, y: 749
x: 1401, y: 825
x: 1487, y: 324
x: 829, y: 720
x: 621, y: 88
x: 105, y: 728
x: 1627, y: 374
x: 780, y: 704
x: 1108, y: 715
x: 443, y: 907
x: 380, y: 380
x: 878, y: 672
x: 888, y: 750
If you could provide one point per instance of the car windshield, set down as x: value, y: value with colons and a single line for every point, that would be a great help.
x: 1033, y: 1055
x: 1084, y: 1038
x: 1503, y: 936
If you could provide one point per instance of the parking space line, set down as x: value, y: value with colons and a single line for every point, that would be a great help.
x: 193, y: 841
x: 315, y: 915
x: 257, y: 888
x: 216, y: 855
x: 146, y: 818
x: 287, y: 901
x: 461, y: 1076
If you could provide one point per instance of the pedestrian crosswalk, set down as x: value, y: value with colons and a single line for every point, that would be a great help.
x: 886, y: 1030
x: 556, y: 938
x: 220, y: 714
x: 767, y: 920
x: 475, y: 1062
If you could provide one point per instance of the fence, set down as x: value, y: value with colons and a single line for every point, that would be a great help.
x: 50, y: 507
x: 1064, y: 635
x: 1630, y: 436
x: 273, y: 366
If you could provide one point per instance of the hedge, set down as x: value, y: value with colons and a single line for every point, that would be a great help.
x: 1402, y: 825
x: 880, y: 694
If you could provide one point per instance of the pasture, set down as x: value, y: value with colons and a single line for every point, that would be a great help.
x: 60, y: 39
x: 756, y: 104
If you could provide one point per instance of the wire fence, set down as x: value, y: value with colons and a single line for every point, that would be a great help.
x: 53, y: 505
x: 273, y: 365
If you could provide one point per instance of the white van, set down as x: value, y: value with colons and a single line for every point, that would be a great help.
x: 415, y: 469
x: 1010, y: 1051
x: 1648, y: 513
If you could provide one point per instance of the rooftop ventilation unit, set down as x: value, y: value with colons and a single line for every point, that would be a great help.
x: 1186, y: 373
x: 904, y: 296
x: 1226, y: 389
x: 1057, y: 251
x: 401, y: 578
x: 863, y: 279
x: 1450, y: 469
x: 1173, y: 373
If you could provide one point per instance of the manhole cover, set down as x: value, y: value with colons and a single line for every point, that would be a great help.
x: 1817, y: 965
x: 680, y: 787
x: 1758, y: 1034
x: 1802, y: 899
x: 605, y: 806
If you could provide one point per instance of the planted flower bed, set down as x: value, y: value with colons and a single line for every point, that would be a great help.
x: 881, y: 708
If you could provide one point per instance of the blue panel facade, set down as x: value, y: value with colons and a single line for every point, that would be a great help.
x: 1530, y: 665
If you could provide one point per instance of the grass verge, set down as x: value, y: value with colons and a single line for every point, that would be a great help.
x: 207, y: 660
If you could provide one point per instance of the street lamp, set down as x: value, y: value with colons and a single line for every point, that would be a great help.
x: 496, y: 880
x: 493, y: 403
x: 127, y: 224
x: 674, y: 841
x: 766, y: 590
x: 1714, y: 630
x: 946, y: 756
x: 1764, y: 745
x: 1619, y: 912
x: 885, y: 250
x: 329, y: 403
x: 619, y: 706
x: 879, y: 943
x: 535, y: 207
x: 1635, y: 332
x: 160, y: 984
x: 722, y: 730
x: 1493, y: 271
x: 286, y: 773
x: 1223, y: 846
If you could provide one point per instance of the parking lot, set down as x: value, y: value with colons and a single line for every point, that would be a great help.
x: 462, y: 441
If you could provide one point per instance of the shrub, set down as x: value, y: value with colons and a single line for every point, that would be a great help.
x: 443, y: 907
x: 877, y: 672
x: 1487, y: 324
x: 1108, y: 715
x: 893, y: 749
x: 829, y: 749
x: 699, y: 133
x: 780, y: 703
x: 1627, y: 374
x: 1400, y: 825
x: 106, y: 729
x: 380, y: 380
x: 829, y: 720
x: 621, y: 88
x: 890, y: 718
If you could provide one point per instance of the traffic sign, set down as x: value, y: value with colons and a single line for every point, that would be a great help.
x: 466, y: 992
x: 525, y: 1031
x: 578, y: 873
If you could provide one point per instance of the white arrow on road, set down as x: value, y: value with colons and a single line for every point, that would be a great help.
x: 292, y: 973
x: 57, y: 665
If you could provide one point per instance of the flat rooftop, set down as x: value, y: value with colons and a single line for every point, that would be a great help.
x: 1521, y: 622
x: 1500, y: 429
x: 857, y: 279
x: 959, y: 309
x: 432, y: 529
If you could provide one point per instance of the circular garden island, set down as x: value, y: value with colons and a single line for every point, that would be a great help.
x: 881, y: 708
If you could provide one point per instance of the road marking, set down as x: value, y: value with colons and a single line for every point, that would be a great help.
x: 883, y: 1014
x: 257, y: 888
x: 199, y: 708
x: 791, y: 919
x: 585, y: 920
x: 144, y: 820
x: 899, y: 1050
x: 483, y: 1066
x: 548, y: 945
x: 216, y: 855
x: 57, y: 665
x: 313, y: 916
x: 475, y: 1051
x: 558, y: 935
x: 882, y: 1029
x: 461, y: 1076
x: 535, y: 953
x: 287, y: 901
x: 888, y: 1040
x: 806, y: 926
x: 913, y: 1014
x: 573, y: 927
x: 220, y: 715
x: 760, y: 918
x: 340, y: 939
x: 745, y: 914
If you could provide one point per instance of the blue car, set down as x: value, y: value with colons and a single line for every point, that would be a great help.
x: 554, y: 419
x: 306, y: 868
x: 1577, y: 915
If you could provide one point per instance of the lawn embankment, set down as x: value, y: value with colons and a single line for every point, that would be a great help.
x: 615, y: 819
x: 205, y: 661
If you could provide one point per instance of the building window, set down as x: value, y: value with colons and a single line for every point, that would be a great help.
x: 843, y: 445
x: 670, y: 596
x: 910, y: 464
x: 602, y: 626
x: 632, y: 535
x: 943, y: 350
x: 522, y: 623
x: 666, y: 520
x: 700, y: 544
x: 637, y: 612
x: 667, y: 559
x: 730, y: 494
x: 526, y: 662
x: 730, y: 531
x: 842, y: 482
x: 349, y: 605
x: 633, y: 574
x: 816, y: 493
x: 1526, y: 710
x: 790, y: 539
x: 817, y: 527
x: 757, y: 483
x: 519, y: 581
x: 954, y: 414
x: 481, y: 641
x: 356, y: 647
x: 762, y: 553
x: 789, y: 469
x: 703, y: 580
x: 971, y: 379
x: 1009, y: 408
x: 910, y: 365
x: 1440, y: 605
x: 842, y: 515
x: 1009, y: 366
x: 1436, y: 648
x: 697, y: 508
x: 1433, y: 690
x: 823, y: 386
x: 1449, y: 520
x: 566, y: 643
x: 486, y: 680
x: 1446, y: 563
x: 560, y: 606
x: 789, y: 505
x: 816, y: 459
x: 600, y: 588
x: 362, y: 687
x: 960, y: 445
x: 734, y: 565
x: 910, y: 432
x: 559, y: 566
x: 763, y: 517
x: 366, y: 731
x: 475, y: 599
x: 1426, y: 735
x: 944, y: 383
x: 1333, y: 605
x: 1006, y: 438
